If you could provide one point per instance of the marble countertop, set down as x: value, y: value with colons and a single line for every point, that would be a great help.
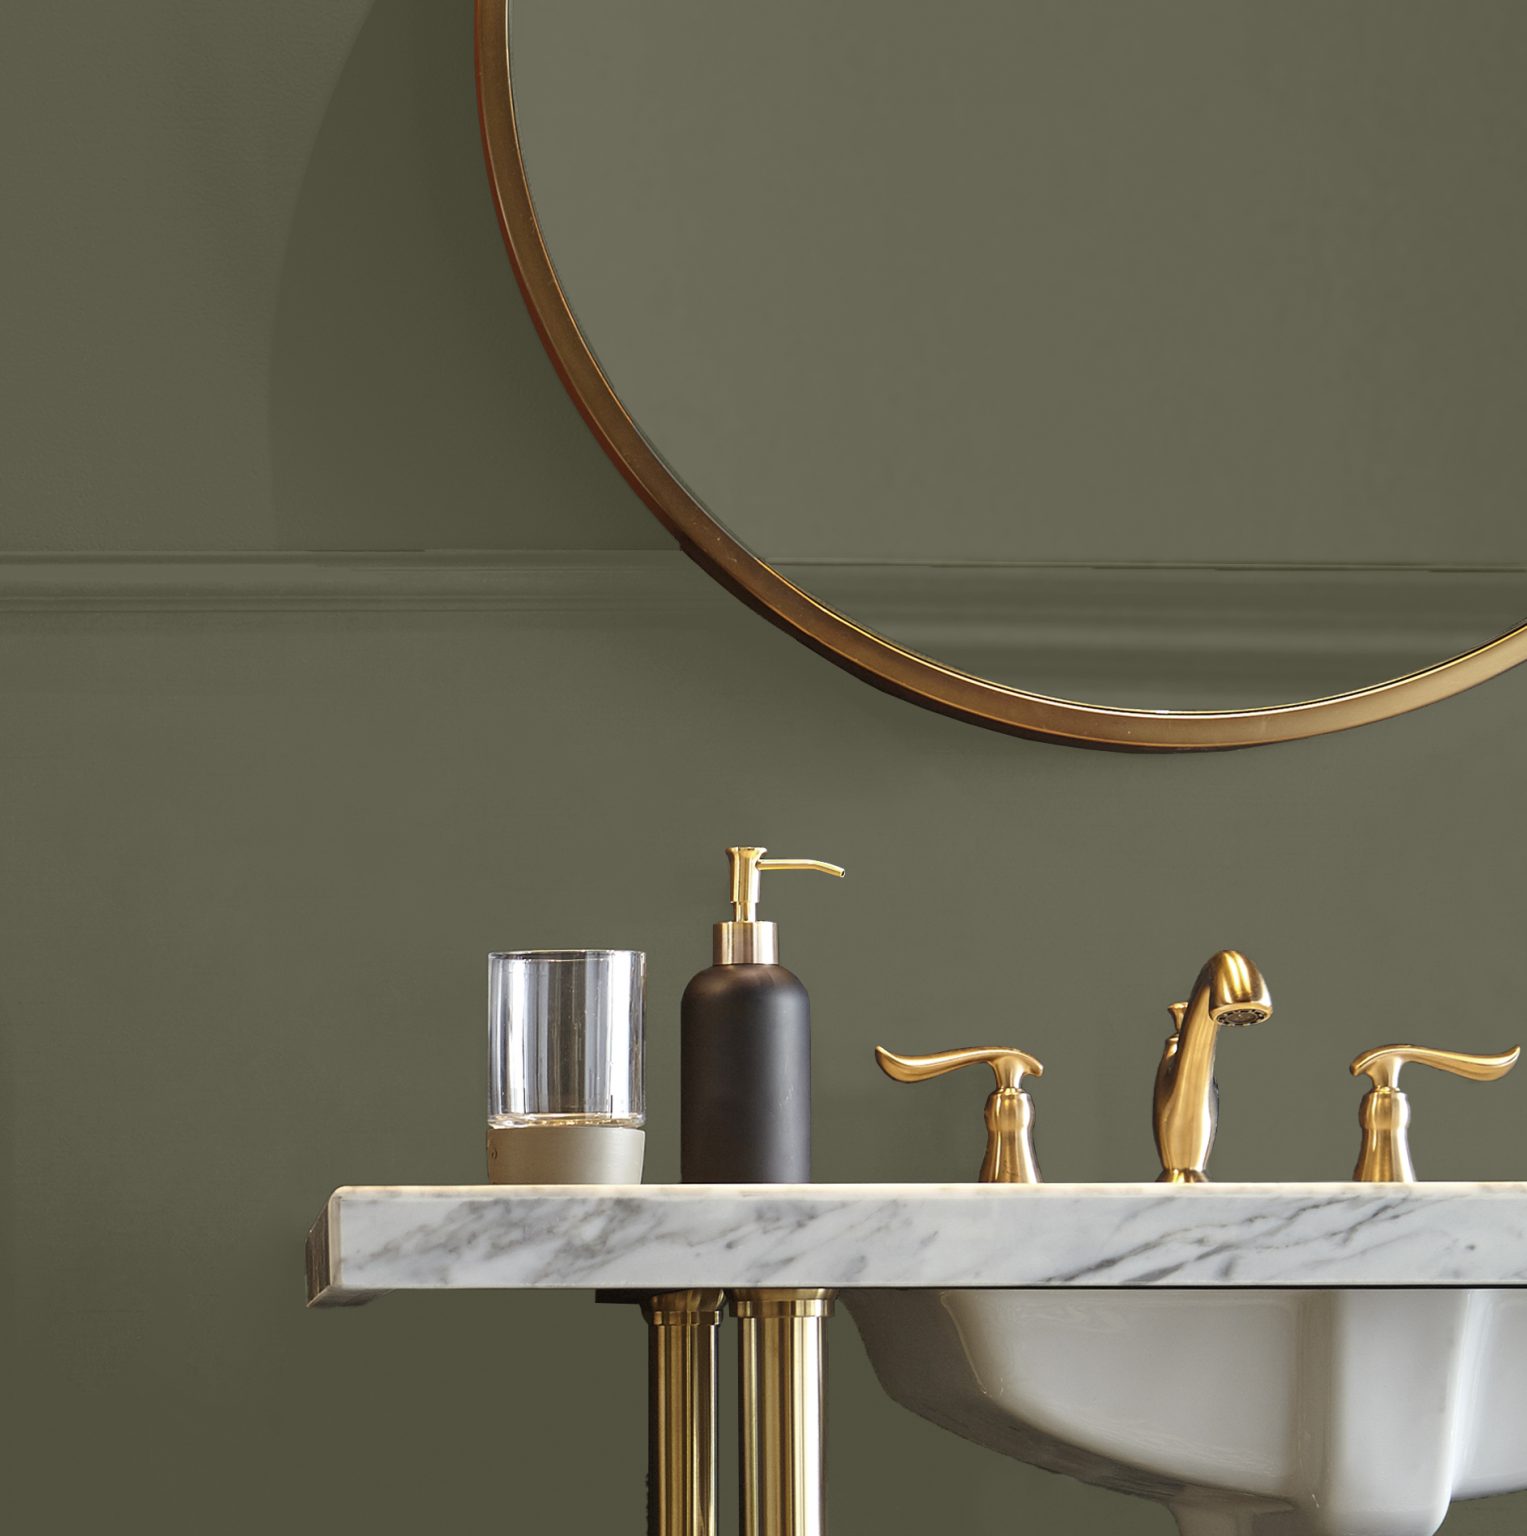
x: 375, y: 1238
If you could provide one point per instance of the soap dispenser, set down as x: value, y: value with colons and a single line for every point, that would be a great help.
x: 745, y: 1048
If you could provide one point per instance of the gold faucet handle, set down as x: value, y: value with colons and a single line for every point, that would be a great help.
x: 1384, y: 1113
x: 1010, y: 1065
x: 1009, y: 1110
x: 1383, y: 1063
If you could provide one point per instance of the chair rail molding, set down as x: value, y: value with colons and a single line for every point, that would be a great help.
x: 1081, y: 625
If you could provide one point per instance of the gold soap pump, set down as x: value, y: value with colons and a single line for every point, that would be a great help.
x: 1384, y: 1113
x: 1009, y: 1110
x: 748, y: 939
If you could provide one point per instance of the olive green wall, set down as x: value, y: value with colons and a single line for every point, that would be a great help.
x: 1194, y: 280
x: 258, y: 299
x: 260, y: 830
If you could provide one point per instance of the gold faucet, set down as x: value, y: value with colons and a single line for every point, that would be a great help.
x: 1229, y: 990
x: 1009, y: 1110
x: 1384, y: 1113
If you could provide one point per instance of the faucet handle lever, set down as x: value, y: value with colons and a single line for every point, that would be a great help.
x: 1009, y: 1110
x: 1010, y: 1065
x: 1384, y: 1113
x: 1383, y: 1063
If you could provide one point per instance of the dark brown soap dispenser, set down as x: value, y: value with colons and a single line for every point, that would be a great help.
x: 745, y: 1048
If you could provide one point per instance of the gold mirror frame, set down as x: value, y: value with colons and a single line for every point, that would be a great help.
x: 867, y: 655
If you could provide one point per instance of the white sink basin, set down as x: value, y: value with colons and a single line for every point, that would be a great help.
x: 1053, y: 1321
x: 1250, y: 1403
x: 1246, y: 1412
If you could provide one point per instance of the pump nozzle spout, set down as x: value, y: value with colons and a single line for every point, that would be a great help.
x: 748, y: 863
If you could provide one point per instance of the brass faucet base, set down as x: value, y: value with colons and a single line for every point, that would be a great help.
x: 1384, y: 1158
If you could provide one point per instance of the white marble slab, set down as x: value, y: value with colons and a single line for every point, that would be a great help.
x: 371, y: 1239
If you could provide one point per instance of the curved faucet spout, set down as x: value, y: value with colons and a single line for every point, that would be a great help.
x: 1229, y: 990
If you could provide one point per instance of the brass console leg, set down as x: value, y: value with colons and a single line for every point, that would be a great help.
x: 783, y: 1359
x: 681, y: 1412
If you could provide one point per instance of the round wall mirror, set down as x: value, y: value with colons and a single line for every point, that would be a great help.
x: 1133, y: 375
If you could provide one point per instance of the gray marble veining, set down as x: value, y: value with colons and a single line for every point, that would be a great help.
x: 652, y: 1237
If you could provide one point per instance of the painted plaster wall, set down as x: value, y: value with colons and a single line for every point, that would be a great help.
x: 255, y: 853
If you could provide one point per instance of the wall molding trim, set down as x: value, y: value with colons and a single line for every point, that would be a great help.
x: 1179, y: 636
x: 1344, y: 607
x: 281, y: 581
x: 1198, y: 632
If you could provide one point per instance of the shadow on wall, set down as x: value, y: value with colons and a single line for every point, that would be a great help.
x: 412, y: 405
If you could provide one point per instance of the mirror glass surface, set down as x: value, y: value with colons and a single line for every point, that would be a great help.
x: 1152, y: 352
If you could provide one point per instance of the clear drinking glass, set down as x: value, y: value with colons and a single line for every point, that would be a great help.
x: 565, y: 1055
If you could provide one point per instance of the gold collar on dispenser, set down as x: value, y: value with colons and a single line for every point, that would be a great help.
x: 1384, y: 1113
x: 1009, y: 1110
x: 746, y: 939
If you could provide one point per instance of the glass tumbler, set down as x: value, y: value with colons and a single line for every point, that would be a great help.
x: 566, y: 1101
